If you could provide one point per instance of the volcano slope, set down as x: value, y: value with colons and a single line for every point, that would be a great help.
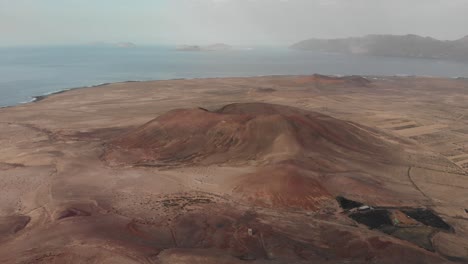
x: 238, y: 133
x: 301, y: 158
x: 85, y: 180
x: 286, y: 144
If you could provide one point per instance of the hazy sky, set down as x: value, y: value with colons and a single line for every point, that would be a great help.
x: 230, y: 21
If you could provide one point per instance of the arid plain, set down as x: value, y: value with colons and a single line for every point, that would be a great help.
x: 279, y: 169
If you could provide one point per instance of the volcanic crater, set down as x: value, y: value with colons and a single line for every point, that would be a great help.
x: 290, y: 150
x: 246, y: 133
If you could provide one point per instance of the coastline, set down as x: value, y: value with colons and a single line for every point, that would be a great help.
x: 24, y: 81
x: 38, y: 98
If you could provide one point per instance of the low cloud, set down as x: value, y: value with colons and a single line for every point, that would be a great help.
x: 280, y: 22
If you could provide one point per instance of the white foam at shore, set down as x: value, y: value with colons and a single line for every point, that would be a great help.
x: 373, y: 77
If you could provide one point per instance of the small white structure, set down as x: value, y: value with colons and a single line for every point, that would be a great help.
x: 364, y: 208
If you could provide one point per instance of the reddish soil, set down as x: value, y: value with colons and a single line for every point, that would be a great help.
x: 113, y: 174
x: 284, y: 187
x: 239, y: 133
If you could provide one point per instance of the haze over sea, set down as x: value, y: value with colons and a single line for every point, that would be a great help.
x: 26, y: 72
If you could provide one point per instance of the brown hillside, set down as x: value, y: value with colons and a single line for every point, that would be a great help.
x: 245, y: 133
x: 285, y: 187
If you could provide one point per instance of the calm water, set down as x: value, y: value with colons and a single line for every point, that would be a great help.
x: 28, y: 72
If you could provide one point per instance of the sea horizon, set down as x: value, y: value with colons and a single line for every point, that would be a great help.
x: 27, y: 72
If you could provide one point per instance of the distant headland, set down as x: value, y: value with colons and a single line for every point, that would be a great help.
x: 412, y: 46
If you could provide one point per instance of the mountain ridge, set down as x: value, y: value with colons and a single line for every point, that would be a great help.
x: 411, y: 45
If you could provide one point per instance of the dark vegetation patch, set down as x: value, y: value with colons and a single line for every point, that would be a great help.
x: 428, y: 218
x: 381, y: 219
x: 373, y: 219
x: 348, y: 204
x: 420, y: 236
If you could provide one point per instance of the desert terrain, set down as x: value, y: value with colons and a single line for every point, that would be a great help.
x: 277, y: 169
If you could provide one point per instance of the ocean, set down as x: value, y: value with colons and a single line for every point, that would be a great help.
x: 26, y: 72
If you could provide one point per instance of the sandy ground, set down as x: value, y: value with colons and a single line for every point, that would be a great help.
x: 61, y: 201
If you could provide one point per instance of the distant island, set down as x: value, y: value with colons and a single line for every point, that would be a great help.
x: 214, y: 47
x: 412, y: 46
